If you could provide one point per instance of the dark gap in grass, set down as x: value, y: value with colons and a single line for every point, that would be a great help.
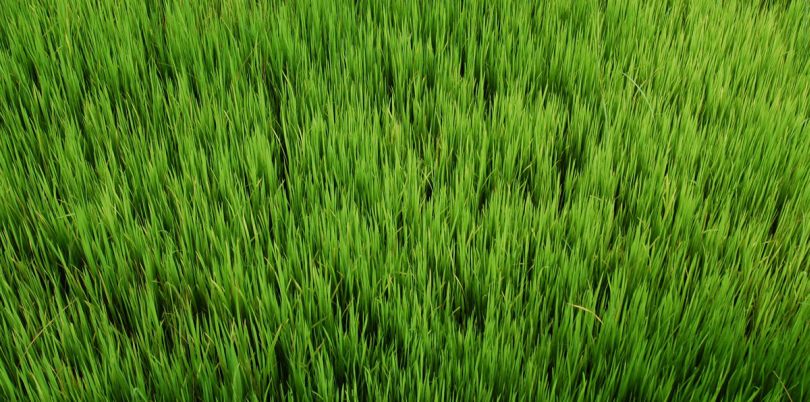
x: 530, y: 261
x: 200, y: 305
x: 684, y: 15
x: 362, y: 386
x: 667, y: 166
x: 696, y: 175
x: 124, y: 119
x: 618, y: 201
x: 603, y: 291
x: 389, y: 81
x: 166, y: 72
x: 219, y: 369
x: 433, y: 125
x: 486, y: 189
x: 635, y: 391
x: 284, y: 366
x: 484, y: 195
x: 342, y: 301
x: 487, y: 78
x: 598, y: 104
x: 165, y: 315
x: 149, y: 52
x: 706, y: 188
x: 272, y: 80
x: 427, y: 190
x: 155, y: 10
x: 696, y: 260
x: 372, y: 330
x: 348, y: 372
x: 622, y: 211
x: 343, y: 367
x: 5, y: 42
x: 430, y: 79
x: 471, y: 313
x: 563, y: 166
x: 503, y: 384
x: 88, y: 149
x: 119, y: 314
x: 236, y: 209
x: 33, y: 76
x: 325, y: 62
x: 769, y: 5
x: 526, y: 179
x: 75, y: 368
x: 140, y: 208
x: 19, y: 110
x: 462, y: 68
x: 401, y: 227
x: 260, y: 332
x: 119, y: 390
x: 548, y: 374
x: 219, y: 202
x: 173, y: 158
x: 341, y: 374
x: 484, y: 79
x: 701, y: 117
x: 780, y: 205
x: 195, y: 390
x: 749, y: 321
x: 676, y: 206
x: 60, y: 280
x: 562, y: 174
x: 589, y: 369
x: 87, y: 85
x: 723, y: 391
x: 392, y: 339
x: 166, y: 75
x: 194, y: 83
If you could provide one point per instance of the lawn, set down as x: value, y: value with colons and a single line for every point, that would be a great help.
x: 399, y: 200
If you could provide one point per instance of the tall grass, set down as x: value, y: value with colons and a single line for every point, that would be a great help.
x: 478, y: 200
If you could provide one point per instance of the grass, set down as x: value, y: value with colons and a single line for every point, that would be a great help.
x: 320, y: 200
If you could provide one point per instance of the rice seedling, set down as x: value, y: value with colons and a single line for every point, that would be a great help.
x: 478, y: 200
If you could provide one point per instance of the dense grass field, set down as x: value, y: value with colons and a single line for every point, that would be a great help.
x: 371, y: 200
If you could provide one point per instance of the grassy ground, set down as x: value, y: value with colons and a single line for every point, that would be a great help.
x: 557, y: 200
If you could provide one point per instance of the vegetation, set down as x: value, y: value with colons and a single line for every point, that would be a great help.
x: 478, y: 200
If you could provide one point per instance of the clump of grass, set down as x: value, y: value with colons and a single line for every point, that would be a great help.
x: 478, y: 201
